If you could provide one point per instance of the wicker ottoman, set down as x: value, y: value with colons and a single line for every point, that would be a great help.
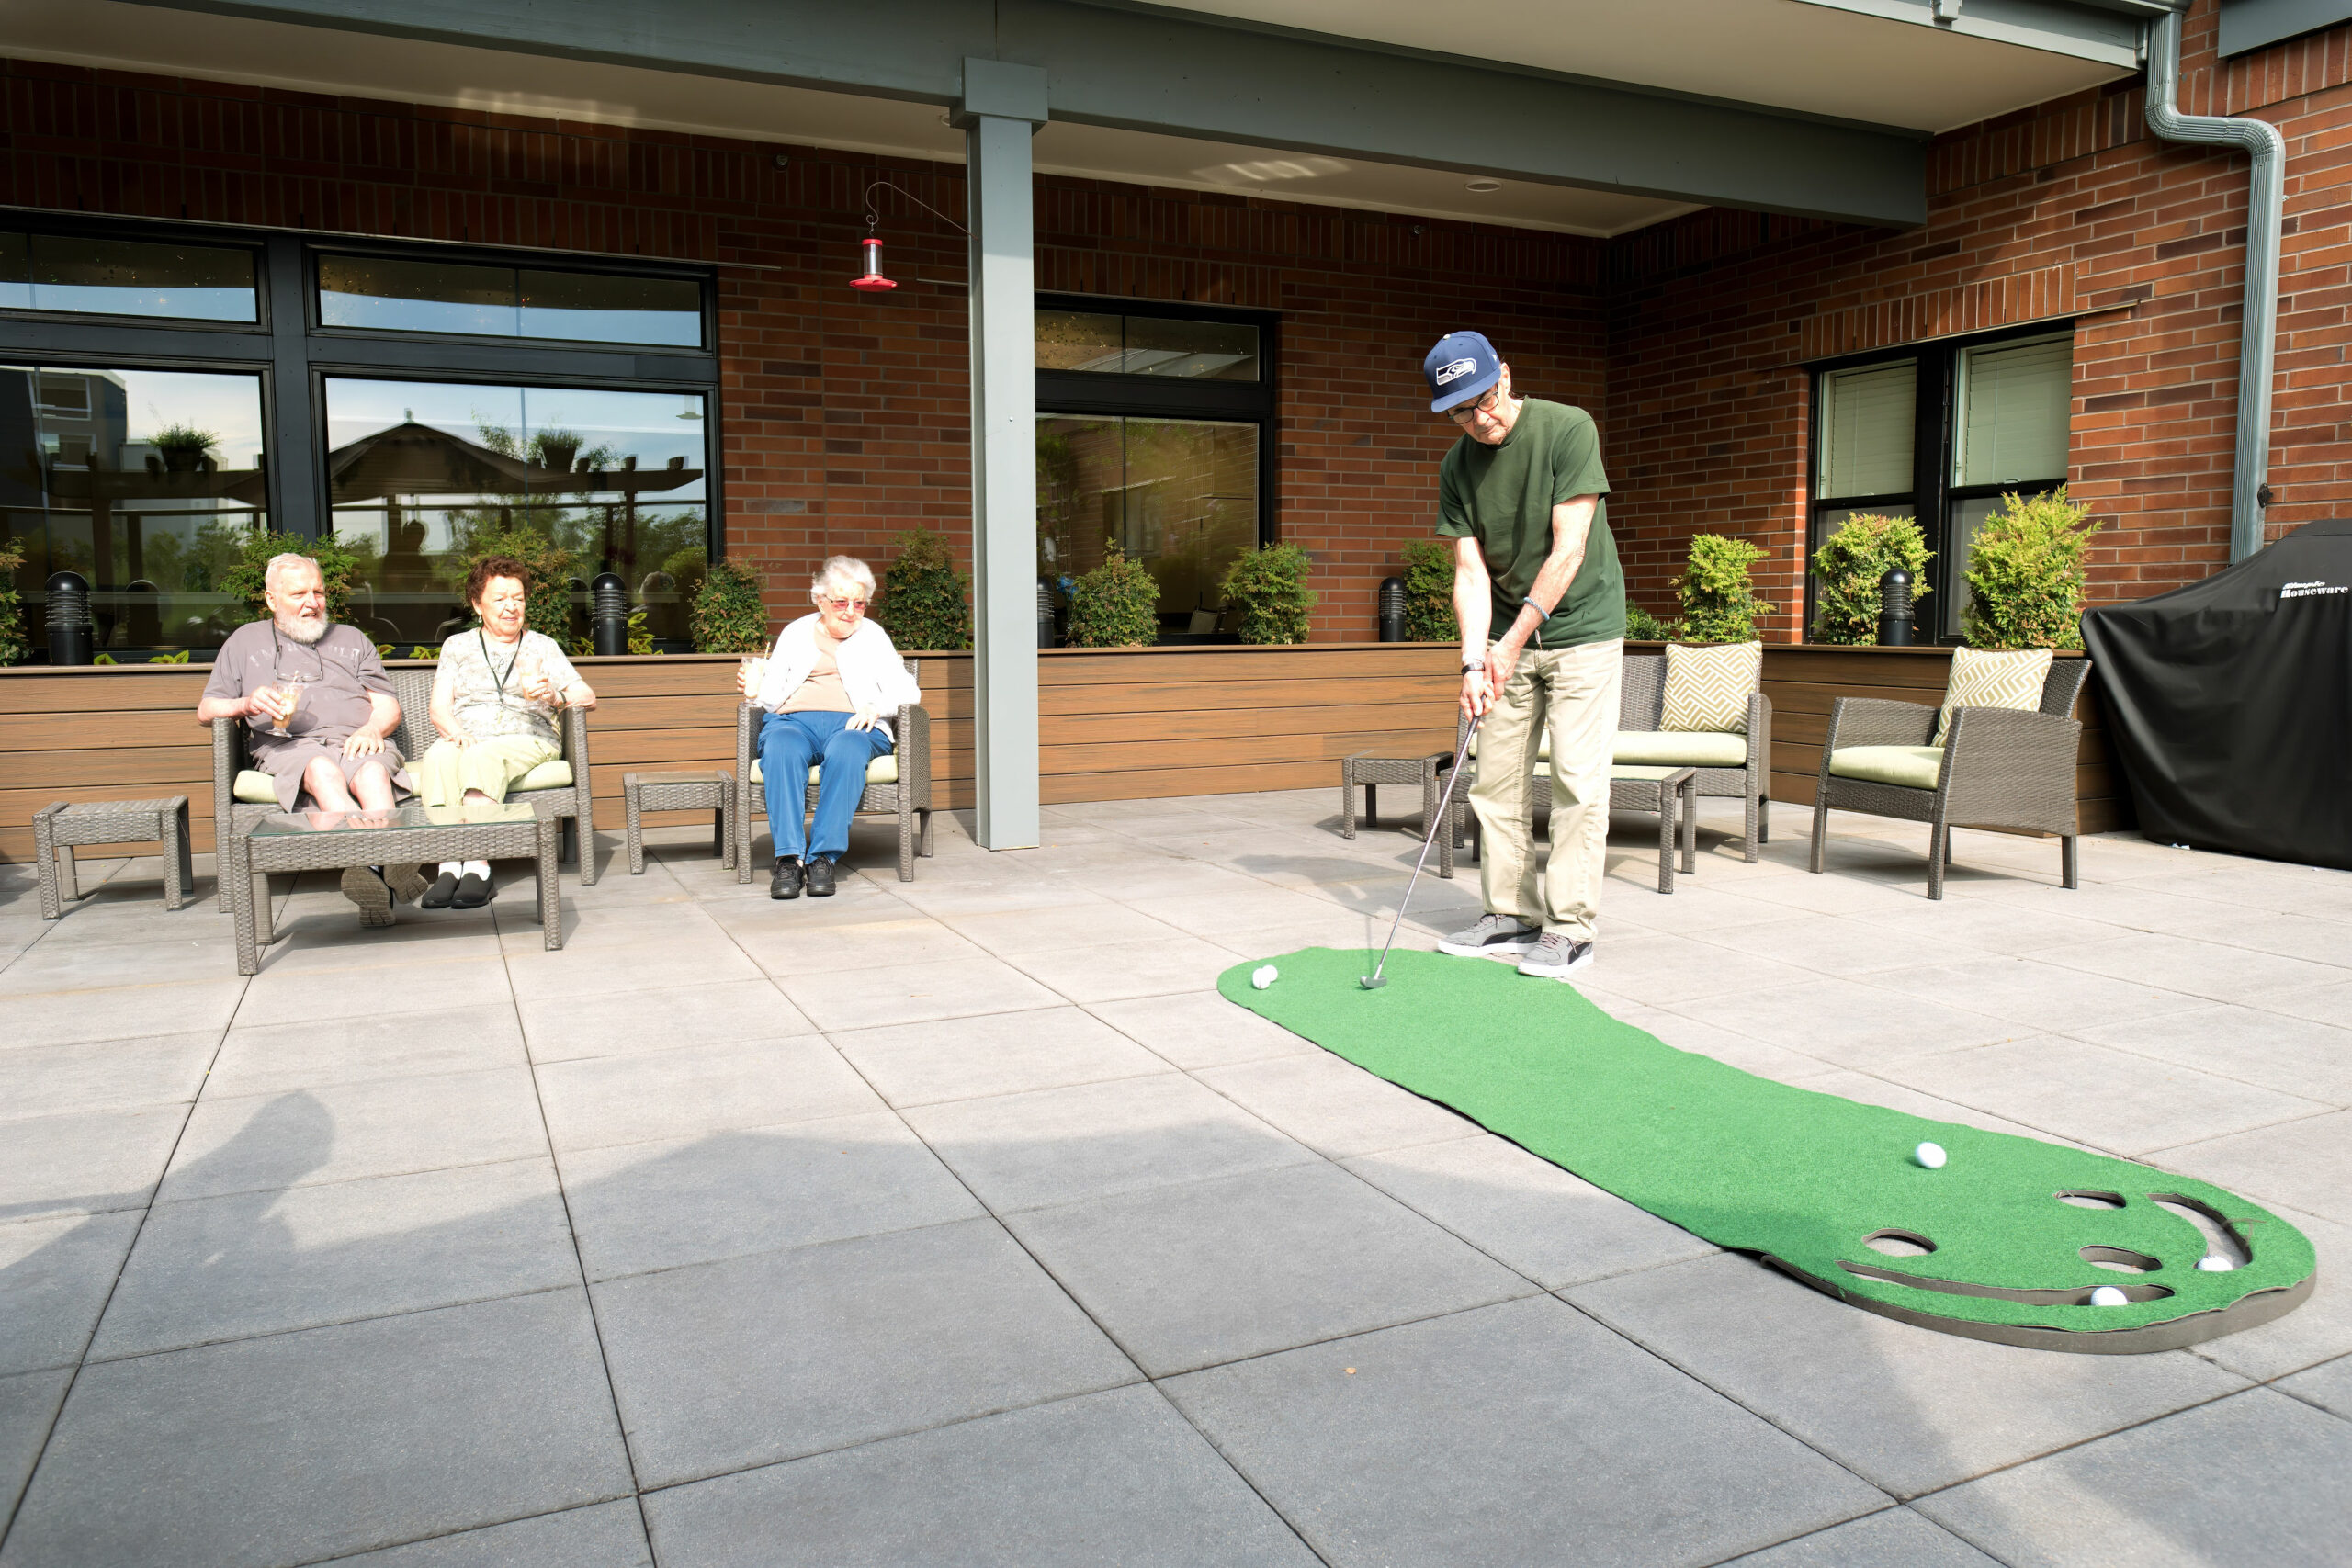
x: 61, y: 827
x: 1372, y: 771
x: 1666, y: 791
x: 713, y: 792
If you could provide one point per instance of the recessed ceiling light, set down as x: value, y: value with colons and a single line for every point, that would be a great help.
x: 1482, y: 185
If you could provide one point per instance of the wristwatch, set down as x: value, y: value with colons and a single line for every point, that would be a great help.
x: 1470, y: 664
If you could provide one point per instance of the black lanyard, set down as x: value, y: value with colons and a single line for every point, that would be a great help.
x: 278, y: 645
x: 498, y: 677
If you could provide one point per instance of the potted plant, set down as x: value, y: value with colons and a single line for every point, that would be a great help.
x: 1268, y: 586
x: 1846, y: 570
x: 1114, y: 605
x: 1428, y: 593
x: 926, y: 602
x: 184, y: 448
x: 1719, y: 603
x: 2027, y: 578
x: 12, y: 616
x: 727, y: 615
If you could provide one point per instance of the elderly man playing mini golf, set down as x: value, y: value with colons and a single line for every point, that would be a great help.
x: 1535, y: 565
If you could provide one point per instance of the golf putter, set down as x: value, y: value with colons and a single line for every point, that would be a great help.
x: 1374, y: 980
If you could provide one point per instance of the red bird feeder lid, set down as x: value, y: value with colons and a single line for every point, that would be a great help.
x: 871, y: 280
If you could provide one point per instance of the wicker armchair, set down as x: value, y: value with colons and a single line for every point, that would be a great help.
x: 413, y: 690
x: 1640, y: 707
x: 900, y: 784
x: 1997, y: 768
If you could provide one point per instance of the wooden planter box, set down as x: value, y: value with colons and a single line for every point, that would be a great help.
x: 1116, y: 723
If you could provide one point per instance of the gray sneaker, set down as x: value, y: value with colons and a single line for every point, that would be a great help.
x: 1492, y: 935
x: 1557, y: 957
x: 375, y: 889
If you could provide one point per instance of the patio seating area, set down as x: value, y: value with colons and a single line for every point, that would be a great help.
x: 960, y: 1220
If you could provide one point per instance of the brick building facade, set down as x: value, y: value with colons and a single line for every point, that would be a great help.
x: 843, y: 416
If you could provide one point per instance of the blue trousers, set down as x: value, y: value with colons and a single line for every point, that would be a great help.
x: 789, y: 743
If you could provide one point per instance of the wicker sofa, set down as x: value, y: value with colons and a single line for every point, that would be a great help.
x: 1728, y: 764
x: 898, y: 783
x: 1997, y: 768
x: 243, y: 795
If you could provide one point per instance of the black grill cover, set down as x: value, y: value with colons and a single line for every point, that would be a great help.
x: 2231, y: 702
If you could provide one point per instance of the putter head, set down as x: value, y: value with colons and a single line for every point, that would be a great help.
x: 1373, y: 982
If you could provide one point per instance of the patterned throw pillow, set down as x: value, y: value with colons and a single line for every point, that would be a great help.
x: 1985, y: 679
x: 1707, y: 688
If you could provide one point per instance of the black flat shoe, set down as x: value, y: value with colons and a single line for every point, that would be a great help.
x: 472, y: 893
x: 437, y: 896
x: 783, y: 882
x: 820, y: 878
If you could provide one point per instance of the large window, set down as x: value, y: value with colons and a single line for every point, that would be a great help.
x: 1940, y: 431
x: 1152, y: 434
x: 165, y: 391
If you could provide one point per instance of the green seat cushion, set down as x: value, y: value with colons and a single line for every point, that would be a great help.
x: 882, y: 770
x: 1914, y: 767
x: 1681, y: 748
x: 253, y: 787
x: 1543, y: 746
x: 554, y: 774
x: 1637, y: 772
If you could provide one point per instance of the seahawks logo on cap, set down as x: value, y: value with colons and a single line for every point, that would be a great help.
x: 1454, y: 370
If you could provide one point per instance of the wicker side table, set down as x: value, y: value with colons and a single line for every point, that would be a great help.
x: 1669, y: 792
x: 1372, y: 771
x: 59, y: 827
x: 712, y: 791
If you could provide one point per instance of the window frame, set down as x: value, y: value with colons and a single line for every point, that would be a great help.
x: 294, y: 354
x: 1934, y: 442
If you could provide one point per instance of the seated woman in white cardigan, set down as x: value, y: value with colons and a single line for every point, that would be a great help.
x: 826, y: 685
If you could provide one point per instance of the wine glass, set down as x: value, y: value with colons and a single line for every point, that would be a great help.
x: 289, y: 687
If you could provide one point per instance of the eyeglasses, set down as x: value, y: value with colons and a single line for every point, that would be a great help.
x: 844, y: 604
x: 1486, y: 405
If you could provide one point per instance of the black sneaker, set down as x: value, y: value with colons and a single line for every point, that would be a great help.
x: 821, y: 878
x: 1493, y: 934
x: 437, y: 896
x: 783, y: 882
x: 1557, y: 957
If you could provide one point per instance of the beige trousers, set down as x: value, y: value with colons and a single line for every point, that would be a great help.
x: 447, y: 770
x: 1572, y: 692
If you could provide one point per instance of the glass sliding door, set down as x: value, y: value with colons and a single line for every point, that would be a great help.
x: 1179, y: 495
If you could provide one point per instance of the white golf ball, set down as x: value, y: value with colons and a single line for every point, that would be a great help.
x: 1930, y: 1156
x: 1264, y: 975
x: 2214, y: 1266
x: 2108, y: 1296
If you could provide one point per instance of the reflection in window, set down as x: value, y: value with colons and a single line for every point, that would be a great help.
x: 419, y: 472
x: 393, y: 294
x: 145, y: 483
x: 1179, y: 495
x: 1146, y: 346
x: 126, y: 277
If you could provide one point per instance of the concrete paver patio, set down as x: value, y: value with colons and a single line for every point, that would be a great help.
x: 960, y: 1222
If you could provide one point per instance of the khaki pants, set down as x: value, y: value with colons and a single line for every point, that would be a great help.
x: 1573, y: 692
x: 447, y: 770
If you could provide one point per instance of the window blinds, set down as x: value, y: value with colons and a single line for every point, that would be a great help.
x: 1866, y: 429
x: 2014, y: 406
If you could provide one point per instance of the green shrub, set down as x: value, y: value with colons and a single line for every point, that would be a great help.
x: 1268, y: 585
x: 338, y: 564
x: 1115, y: 605
x: 549, y: 564
x: 2026, y: 573
x: 1847, y: 568
x: 1642, y: 627
x: 728, y: 616
x: 1719, y: 604
x: 925, y: 604
x: 1429, y: 592
x: 12, y: 609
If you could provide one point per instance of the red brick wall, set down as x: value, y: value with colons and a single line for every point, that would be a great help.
x: 2069, y: 207
x: 843, y: 417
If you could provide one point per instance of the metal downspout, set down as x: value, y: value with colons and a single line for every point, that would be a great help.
x: 2258, y: 323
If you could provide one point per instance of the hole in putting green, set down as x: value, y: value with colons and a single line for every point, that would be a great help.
x: 2073, y: 1295
x: 2120, y: 1259
x: 1899, y: 1244
x: 2092, y: 1199
x: 2221, y: 1238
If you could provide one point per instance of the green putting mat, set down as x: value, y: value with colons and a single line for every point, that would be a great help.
x: 1800, y: 1178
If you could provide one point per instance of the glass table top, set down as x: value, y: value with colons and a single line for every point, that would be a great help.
x: 401, y: 818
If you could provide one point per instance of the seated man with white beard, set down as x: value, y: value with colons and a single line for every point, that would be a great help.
x: 323, y: 687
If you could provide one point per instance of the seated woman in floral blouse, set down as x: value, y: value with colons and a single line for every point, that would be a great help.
x: 495, y: 701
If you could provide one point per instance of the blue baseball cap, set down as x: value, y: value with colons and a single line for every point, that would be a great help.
x: 1462, y: 367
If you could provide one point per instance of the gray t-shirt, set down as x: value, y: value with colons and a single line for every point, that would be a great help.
x: 343, y: 667
x: 473, y: 668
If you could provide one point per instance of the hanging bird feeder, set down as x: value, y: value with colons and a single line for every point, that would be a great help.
x: 871, y: 280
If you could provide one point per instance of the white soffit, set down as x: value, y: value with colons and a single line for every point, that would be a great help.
x: 171, y: 42
x: 1780, y: 53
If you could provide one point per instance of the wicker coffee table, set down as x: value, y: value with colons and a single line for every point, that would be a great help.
x: 1371, y: 771
x: 63, y: 826
x: 325, y: 841
x: 1668, y: 792
x: 712, y: 791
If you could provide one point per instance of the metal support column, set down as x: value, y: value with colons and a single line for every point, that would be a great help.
x: 1002, y: 105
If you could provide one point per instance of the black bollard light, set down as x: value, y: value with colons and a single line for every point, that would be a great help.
x: 1044, y: 615
x: 608, y: 615
x: 69, y: 619
x: 1392, y: 609
x: 1894, y: 608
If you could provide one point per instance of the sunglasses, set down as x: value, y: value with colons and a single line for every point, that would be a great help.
x: 845, y: 603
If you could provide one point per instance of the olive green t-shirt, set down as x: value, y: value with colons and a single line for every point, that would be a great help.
x: 1502, y: 496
